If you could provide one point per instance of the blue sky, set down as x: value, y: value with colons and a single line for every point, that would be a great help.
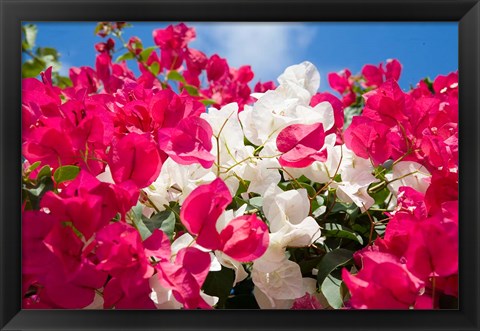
x: 424, y: 48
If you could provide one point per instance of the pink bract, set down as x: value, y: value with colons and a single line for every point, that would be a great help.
x: 135, y: 157
x: 301, y: 145
x: 189, y: 142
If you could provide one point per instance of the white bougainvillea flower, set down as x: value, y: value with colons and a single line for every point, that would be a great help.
x: 356, y: 175
x: 283, y: 282
x: 301, y: 80
x: 262, y: 173
x: 265, y: 302
x: 163, y: 298
x: 410, y: 174
x: 287, y: 211
x: 270, y: 113
x: 231, y: 154
x: 287, y: 104
x: 176, y: 181
x: 225, y: 123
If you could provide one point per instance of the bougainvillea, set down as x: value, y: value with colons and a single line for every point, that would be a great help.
x: 184, y: 187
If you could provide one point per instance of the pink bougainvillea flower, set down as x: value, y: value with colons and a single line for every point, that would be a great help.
x: 367, y: 139
x: 120, y: 253
x: 447, y: 85
x: 135, y: 45
x: 115, y: 197
x: 245, y: 238
x: 376, y: 75
x: 137, y: 298
x: 435, y: 241
x: 168, y: 109
x: 301, y: 145
x: 50, y: 146
x: 382, y: 283
x: 43, y: 97
x: 35, y: 227
x: 201, y: 210
x: 173, y: 41
x: 196, y: 262
x: 244, y: 74
x: 338, y: 113
x: 373, y: 75
x: 137, y: 117
x: 186, y: 275
x: 443, y: 187
x: 158, y: 245
x: 196, y: 60
x: 386, y: 103
x: 174, y: 36
x: 52, y: 258
x: 340, y: 81
x: 135, y: 157
x: 120, y: 250
x: 264, y: 87
x: 105, y: 47
x: 189, y: 142
x: 393, y: 69
x: 217, y: 68
x: 307, y: 302
x: 186, y: 288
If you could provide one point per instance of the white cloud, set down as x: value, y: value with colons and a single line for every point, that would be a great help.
x: 268, y: 47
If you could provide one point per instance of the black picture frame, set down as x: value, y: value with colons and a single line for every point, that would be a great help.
x: 13, y: 12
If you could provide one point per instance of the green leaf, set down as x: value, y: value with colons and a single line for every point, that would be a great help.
x: 46, y: 51
x: 381, y: 196
x: 45, y: 172
x: 331, y: 290
x: 65, y: 173
x: 192, y: 90
x: 155, y: 68
x: 256, y: 202
x: 38, y: 190
x: 164, y: 220
x: 292, y: 185
x: 30, y: 31
x: 137, y: 220
x: 176, y: 76
x: 380, y: 229
x: 34, y: 166
x: 146, y: 53
x: 33, y: 67
x: 126, y: 56
x: 317, y: 206
x: 339, y: 231
x: 98, y: 28
x: 50, y: 57
x: 61, y: 81
x: 219, y: 284
x: 351, y: 210
x: 208, y: 102
x: 388, y: 164
x: 306, y: 266
x: 331, y: 261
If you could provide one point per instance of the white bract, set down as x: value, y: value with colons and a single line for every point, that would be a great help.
x: 410, y: 174
x: 176, y: 182
x: 356, y: 176
x: 287, y: 104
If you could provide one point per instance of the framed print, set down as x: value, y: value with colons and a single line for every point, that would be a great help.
x: 239, y: 165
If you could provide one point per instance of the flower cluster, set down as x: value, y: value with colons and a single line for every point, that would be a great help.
x: 182, y: 188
